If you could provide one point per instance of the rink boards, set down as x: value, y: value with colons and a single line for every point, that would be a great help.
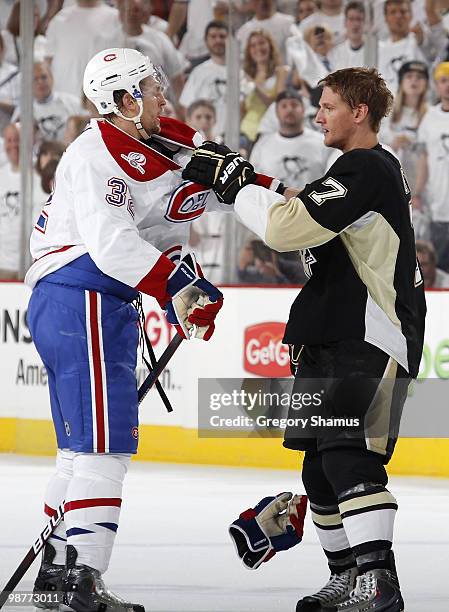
x: 247, y: 344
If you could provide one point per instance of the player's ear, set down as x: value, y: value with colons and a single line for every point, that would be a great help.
x: 128, y: 103
x: 360, y: 112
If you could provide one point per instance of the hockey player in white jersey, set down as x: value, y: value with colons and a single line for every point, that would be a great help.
x: 113, y: 227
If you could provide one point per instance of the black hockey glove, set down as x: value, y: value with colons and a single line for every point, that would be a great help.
x: 216, y: 166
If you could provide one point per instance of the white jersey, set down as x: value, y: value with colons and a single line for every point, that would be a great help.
x: 344, y: 56
x: 294, y: 161
x: 51, y: 115
x: 11, y: 215
x: 393, y: 54
x: 122, y: 202
x: 434, y: 134
x: 208, y: 80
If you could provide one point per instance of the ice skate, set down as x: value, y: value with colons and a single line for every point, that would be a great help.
x: 376, y: 591
x: 48, y: 581
x: 83, y: 590
x: 336, y: 590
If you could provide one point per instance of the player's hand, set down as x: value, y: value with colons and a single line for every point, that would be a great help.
x: 275, y: 524
x: 216, y: 166
x: 194, y: 300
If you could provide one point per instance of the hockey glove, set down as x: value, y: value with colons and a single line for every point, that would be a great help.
x: 276, y: 523
x: 216, y: 166
x: 194, y: 300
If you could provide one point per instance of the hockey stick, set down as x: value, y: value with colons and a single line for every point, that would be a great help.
x: 45, y: 534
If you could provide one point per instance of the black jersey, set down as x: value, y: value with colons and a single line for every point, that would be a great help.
x: 364, y: 281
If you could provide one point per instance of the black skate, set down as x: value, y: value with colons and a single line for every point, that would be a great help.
x: 336, y: 590
x: 48, y: 581
x: 375, y: 591
x: 83, y: 590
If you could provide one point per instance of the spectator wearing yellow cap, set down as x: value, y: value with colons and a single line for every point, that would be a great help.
x: 433, y: 165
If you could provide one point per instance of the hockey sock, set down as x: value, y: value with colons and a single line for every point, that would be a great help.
x: 92, y: 507
x: 368, y: 511
x: 366, y: 507
x: 54, y: 495
x: 326, y: 515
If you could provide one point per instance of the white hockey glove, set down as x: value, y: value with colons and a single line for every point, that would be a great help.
x: 275, y: 524
x: 194, y: 300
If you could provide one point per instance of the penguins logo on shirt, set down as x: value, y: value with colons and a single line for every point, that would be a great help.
x: 294, y: 168
x: 50, y: 126
x: 11, y: 204
x: 219, y: 89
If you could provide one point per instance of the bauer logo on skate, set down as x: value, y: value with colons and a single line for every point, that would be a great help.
x: 264, y: 353
x: 186, y: 203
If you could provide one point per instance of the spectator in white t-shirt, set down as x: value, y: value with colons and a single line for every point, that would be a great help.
x: 9, y: 87
x: 433, y: 277
x: 12, y: 39
x: 208, y: 80
x: 193, y: 15
x: 201, y: 116
x: 266, y: 18
x: 10, y: 204
x: 433, y: 166
x: 51, y: 109
x: 294, y: 154
x: 331, y: 15
x: 74, y: 35
x: 321, y: 40
x: 133, y: 32
x: 351, y: 52
x: 153, y: 20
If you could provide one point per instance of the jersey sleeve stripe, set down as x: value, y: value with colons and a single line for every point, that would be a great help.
x: 78, y: 504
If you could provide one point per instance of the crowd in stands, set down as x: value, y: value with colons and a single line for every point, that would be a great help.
x: 286, y: 47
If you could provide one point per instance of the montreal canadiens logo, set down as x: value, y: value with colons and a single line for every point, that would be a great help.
x: 136, y: 160
x: 186, y: 203
x: 110, y: 57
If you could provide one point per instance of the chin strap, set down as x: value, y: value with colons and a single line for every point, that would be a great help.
x: 136, y: 119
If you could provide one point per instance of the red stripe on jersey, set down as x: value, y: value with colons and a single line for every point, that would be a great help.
x: 177, y: 131
x: 78, y: 504
x: 64, y: 248
x: 265, y: 181
x: 98, y: 381
x: 155, y: 282
x: 49, y: 511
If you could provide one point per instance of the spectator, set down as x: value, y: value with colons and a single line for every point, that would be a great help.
x: 242, y: 10
x: 264, y: 78
x: 258, y: 264
x: 208, y: 80
x: 11, y: 36
x: 75, y: 125
x: 433, y: 166
x: 304, y: 9
x: 351, y: 52
x: 193, y: 15
x: 10, y: 204
x: 403, y: 44
x: 294, y: 154
x: 51, y: 109
x: 9, y: 87
x: 74, y: 35
x: 152, y: 20
x: 134, y: 33
x: 48, y: 150
x: 202, y: 117
x: 268, y: 19
x: 399, y: 130
x: 433, y: 277
x: 330, y: 15
x: 48, y: 176
x: 320, y: 40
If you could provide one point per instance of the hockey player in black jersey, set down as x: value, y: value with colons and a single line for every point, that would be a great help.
x: 355, y: 330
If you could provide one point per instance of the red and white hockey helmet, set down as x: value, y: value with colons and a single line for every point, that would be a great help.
x: 114, y: 69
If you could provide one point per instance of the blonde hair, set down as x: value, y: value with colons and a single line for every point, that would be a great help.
x: 249, y: 65
x: 399, y: 103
